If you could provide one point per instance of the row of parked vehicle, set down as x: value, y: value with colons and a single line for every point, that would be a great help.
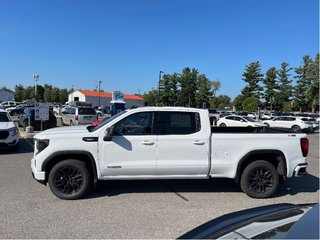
x: 295, y: 123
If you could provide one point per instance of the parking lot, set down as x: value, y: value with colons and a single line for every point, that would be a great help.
x: 129, y: 209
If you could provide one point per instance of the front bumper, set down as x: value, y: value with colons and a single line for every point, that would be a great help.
x: 40, y: 176
x: 300, y: 170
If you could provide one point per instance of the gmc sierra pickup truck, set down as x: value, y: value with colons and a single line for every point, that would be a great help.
x: 166, y: 143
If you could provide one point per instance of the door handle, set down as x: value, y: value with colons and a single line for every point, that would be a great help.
x: 148, y: 143
x: 198, y: 142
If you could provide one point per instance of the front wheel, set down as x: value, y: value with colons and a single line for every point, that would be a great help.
x: 222, y: 125
x: 259, y: 179
x: 70, y: 179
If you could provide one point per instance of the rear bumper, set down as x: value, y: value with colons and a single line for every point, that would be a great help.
x: 300, y: 170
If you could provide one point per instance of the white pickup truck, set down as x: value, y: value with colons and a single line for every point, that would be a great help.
x: 166, y: 143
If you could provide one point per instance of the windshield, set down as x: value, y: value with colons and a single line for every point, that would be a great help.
x: 4, y: 117
x: 105, y: 121
x: 249, y: 119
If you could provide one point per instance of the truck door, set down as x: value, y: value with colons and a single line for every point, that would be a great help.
x: 183, y: 149
x: 132, y: 150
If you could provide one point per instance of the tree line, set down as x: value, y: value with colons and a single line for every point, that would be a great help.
x: 46, y: 93
x: 273, y: 90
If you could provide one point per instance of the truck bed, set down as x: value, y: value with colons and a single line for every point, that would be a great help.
x: 234, y: 130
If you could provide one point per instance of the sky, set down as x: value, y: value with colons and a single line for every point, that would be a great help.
x: 126, y: 43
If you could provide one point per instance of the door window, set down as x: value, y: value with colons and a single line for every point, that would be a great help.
x: 172, y: 123
x: 135, y: 124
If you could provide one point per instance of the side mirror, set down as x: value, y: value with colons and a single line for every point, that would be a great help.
x: 108, y: 134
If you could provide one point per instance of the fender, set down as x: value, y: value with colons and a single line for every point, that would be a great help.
x: 271, y: 155
x: 61, y: 155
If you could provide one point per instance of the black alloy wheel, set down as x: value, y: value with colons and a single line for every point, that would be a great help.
x: 260, y: 179
x: 70, y: 179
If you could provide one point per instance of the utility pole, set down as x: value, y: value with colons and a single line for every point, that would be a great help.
x: 36, y: 78
x: 99, y: 92
x: 159, y: 86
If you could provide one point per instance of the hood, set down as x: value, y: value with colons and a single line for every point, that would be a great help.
x: 62, y: 131
x: 259, y: 124
x: 6, y: 125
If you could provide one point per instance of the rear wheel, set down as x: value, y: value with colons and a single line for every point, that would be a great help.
x: 70, y: 179
x: 71, y: 123
x: 222, y: 125
x: 259, y: 179
x: 295, y: 128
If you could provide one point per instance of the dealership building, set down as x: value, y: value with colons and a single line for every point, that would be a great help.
x: 104, y: 98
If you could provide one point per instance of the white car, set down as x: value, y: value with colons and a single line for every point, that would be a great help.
x: 238, y: 121
x: 9, y: 133
x: 290, y: 122
x: 312, y: 121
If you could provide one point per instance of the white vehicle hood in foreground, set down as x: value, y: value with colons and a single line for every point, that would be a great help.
x: 62, y: 131
x: 6, y: 125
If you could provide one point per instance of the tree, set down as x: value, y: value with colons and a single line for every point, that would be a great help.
x: 303, y: 85
x: 252, y: 76
x: 188, y: 84
x: 150, y: 98
x: 313, y: 76
x: 47, y: 93
x: 237, y: 102
x: 220, y: 102
x: 270, y: 86
x: 19, y: 89
x: 285, y: 87
x: 250, y: 104
x: 204, y: 87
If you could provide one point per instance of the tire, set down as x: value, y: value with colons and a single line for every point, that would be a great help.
x: 222, y: 125
x: 70, y: 179
x: 259, y: 179
x: 267, y: 124
x: 295, y: 128
x: 71, y: 123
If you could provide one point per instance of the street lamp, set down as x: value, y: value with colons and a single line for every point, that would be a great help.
x: 99, y: 92
x: 159, y: 81
x: 36, y: 78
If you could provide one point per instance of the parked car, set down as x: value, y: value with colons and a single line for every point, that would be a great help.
x: 311, y: 121
x: 9, y: 133
x: 78, y: 115
x: 276, y: 221
x: 6, y: 104
x: 29, y: 113
x: 238, y: 121
x: 289, y: 122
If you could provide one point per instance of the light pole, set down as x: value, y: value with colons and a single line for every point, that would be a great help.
x: 36, y: 78
x: 99, y: 92
x: 160, y: 72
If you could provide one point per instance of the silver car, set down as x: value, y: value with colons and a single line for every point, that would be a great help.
x: 78, y: 115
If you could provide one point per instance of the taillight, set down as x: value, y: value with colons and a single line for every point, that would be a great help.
x: 76, y: 117
x: 304, y: 142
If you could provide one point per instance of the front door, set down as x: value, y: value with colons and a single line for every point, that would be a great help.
x: 132, y: 150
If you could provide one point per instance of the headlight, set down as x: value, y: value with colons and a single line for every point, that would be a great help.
x: 41, y: 144
x: 13, y: 131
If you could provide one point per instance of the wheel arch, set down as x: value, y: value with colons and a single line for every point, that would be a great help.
x: 275, y: 157
x: 82, y: 156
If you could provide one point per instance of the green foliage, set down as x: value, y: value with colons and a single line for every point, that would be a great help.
x: 271, y: 86
x: 252, y: 76
x: 189, y: 89
x: 220, y: 102
x: 250, y: 104
x: 237, y: 102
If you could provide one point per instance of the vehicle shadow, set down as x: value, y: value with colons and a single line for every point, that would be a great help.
x: 24, y: 146
x: 293, y: 186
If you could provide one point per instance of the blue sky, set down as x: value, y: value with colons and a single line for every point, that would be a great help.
x: 125, y: 43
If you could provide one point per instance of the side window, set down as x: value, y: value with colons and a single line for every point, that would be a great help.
x: 135, y: 124
x: 237, y: 119
x: 72, y: 111
x: 172, y: 123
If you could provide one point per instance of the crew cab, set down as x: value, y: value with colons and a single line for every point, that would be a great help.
x: 166, y: 143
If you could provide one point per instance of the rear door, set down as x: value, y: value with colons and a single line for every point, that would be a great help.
x: 183, y: 147
x: 86, y: 115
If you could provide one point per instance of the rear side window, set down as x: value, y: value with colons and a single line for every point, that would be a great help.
x: 86, y: 111
x: 173, y: 123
